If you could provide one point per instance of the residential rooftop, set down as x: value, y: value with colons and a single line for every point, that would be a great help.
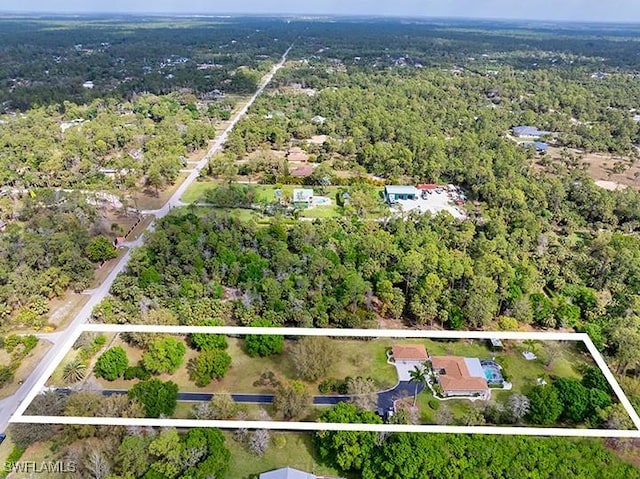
x: 460, y: 374
x: 410, y: 352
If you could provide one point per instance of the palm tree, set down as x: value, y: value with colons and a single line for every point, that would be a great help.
x: 418, y: 376
x: 74, y: 371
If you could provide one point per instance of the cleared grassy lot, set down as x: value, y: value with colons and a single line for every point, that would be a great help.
x: 287, y: 449
x: 368, y: 359
x: 266, y: 193
x: 356, y: 358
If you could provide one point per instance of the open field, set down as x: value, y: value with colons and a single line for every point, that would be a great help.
x: 357, y: 358
x: 64, y: 310
x: 287, y: 449
x: 266, y: 193
x: 602, y: 168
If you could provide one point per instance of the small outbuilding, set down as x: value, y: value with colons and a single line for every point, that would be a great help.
x: 393, y: 193
x: 410, y: 352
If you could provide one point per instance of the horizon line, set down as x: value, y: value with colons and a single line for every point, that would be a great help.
x: 195, y: 14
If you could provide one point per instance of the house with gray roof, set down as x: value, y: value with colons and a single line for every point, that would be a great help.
x: 287, y: 473
x: 529, y: 132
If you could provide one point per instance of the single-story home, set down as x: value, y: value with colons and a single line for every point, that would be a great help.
x: 302, y: 197
x: 393, y: 193
x: 539, y: 146
x: 287, y: 473
x: 460, y: 376
x: 526, y: 131
x: 410, y: 352
x: 303, y: 171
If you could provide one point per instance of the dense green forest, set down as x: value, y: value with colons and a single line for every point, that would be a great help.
x: 399, y: 456
x: 72, y: 146
x: 47, y: 61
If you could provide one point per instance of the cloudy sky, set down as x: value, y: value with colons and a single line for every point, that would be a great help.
x: 578, y: 10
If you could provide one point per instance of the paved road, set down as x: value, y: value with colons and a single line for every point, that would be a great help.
x: 385, y: 398
x: 45, y: 368
x: 327, y: 400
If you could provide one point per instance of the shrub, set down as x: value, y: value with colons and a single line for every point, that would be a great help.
x: 111, y: 364
x: 434, y: 404
x: 29, y: 342
x: 136, y: 372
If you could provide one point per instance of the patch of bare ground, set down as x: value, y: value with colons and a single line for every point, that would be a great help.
x: 612, y: 172
x: 149, y: 199
x: 105, y: 269
x: 318, y: 139
x: 62, y: 310
x: 27, y: 365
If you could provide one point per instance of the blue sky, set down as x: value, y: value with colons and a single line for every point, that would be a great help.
x: 578, y: 10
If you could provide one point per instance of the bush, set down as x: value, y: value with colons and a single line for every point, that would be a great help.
x: 434, y: 404
x: 6, y: 375
x: 29, y: 342
x: 136, y: 372
x: 111, y: 364
x: 157, y: 397
x: 263, y: 345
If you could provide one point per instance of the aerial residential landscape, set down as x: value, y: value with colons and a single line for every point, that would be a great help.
x: 319, y: 244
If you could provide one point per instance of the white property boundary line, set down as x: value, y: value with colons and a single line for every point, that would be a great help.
x: 19, y: 416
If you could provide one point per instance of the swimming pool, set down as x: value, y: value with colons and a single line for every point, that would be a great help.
x: 492, y: 372
x: 321, y: 200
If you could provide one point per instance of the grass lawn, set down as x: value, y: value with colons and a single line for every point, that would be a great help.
x: 183, y: 410
x: 520, y: 372
x: 357, y: 358
x: 5, y: 449
x: 287, y: 449
x: 197, y: 189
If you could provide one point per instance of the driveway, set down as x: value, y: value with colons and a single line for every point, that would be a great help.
x: 403, y: 389
x: 405, y: 367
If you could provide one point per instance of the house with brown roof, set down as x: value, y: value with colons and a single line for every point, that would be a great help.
x: 460, y: 376
x: 410, y: 352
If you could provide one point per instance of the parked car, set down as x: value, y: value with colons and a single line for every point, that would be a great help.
x: 2, y: 437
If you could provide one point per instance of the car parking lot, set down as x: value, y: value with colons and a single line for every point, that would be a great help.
x: 435, y: 203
